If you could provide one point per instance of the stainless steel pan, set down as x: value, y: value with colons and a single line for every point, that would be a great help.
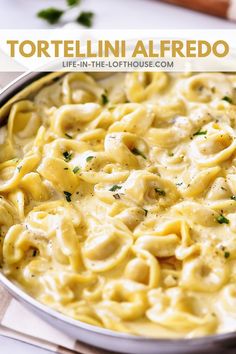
x: 102, y: 338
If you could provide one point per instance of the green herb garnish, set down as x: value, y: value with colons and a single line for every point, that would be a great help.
x: 221, y: 219
x: 68, y: 196
x: 89, y: 158
x: 67, y: 156
x: 19, y: 168
x: 160, y: 191
x: 76, y: 169
x: 114, y: 188
x: 227, y: 99
x: 68, y: 136
x: 200, y: 133
x: 233, y: 197
x: 85, y: 18
x: 104, y: 99
x: 72, y: 2
x: 51, y: 15
x: 135, y: 151
x: 227, y: 254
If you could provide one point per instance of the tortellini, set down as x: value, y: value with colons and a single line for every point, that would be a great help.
x: 143, y: 86
x: 118, y: 200
x: 206, y: 86
x: 179, y: 312
x: 105, y: 248
x: 216, y: 145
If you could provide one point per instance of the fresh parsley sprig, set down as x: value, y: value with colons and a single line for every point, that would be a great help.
x: 53, y: 15
x: 73, y: 2
x: 85, y: 18
x: 227, y: 99
x: 200, y: 132
x: 104, y: 98
x: 114, y: 188
x: 221, y: 219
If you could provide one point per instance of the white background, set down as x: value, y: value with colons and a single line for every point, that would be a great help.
x: 111, y: 14
x: 115, y: 14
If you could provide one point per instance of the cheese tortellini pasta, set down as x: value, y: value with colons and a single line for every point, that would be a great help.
x: 118, y: 200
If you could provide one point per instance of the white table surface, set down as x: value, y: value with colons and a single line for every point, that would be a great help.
x: 10, y: 346
x: 116, y: 14
x: 111, y: 14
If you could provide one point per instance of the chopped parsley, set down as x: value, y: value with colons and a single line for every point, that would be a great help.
x: 76, y: 169
x: 227, y: 99
x: 135, y: 151
x: 170, y: 154
x: 116, y: 196
x: 51, y: 15
x: 160, y: 191
x: 233, y: 197
x: 67, y: 156
x: 89, y: 158
x: 72, y: 2
x: 227, y: 254
x: 105, y: 99
x: 203, y: 132
x: 68, y: 136
x: 85, y: 18
x: 221, y: 219
x: 114, y: 188
x: 145, y: 211
x: 19, y: 168
x: 68, y: 196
